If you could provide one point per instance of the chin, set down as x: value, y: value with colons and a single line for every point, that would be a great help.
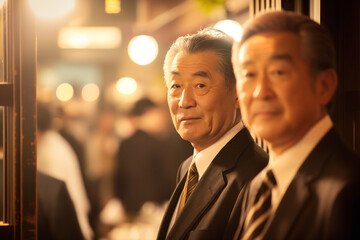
x: 265, y: 134
x: 184, y: 135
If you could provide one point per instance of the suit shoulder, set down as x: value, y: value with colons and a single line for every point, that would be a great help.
x: 48, y: 183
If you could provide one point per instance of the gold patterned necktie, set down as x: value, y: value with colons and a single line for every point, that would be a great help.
x: 190, y: 184
x: 260, y: 212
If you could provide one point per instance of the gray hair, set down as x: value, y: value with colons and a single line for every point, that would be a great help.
x: 317, y: 47
x: 206, y: 39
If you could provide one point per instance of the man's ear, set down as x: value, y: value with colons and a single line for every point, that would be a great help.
x: 326, y: 84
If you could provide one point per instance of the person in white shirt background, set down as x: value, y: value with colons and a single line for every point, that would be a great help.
x: 56, y: 158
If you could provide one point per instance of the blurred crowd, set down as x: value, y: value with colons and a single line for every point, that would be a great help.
x: 119, y: 167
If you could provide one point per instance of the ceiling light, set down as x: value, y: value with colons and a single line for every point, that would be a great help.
x: 64, y: 92
x: 51, y: 9
x: 126, y: 85
x: 90, y: 92
x: 231, y: 28
x: 89, y: 37
x: 143, y: 49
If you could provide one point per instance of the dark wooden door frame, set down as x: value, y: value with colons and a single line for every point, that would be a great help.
x: 20, y: 121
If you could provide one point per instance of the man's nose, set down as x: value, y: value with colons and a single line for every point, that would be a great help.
x: 187, y: 99
x: 263, y: 88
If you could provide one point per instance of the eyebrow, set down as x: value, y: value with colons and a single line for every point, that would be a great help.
x: 274, y: 57
x: 198, y: 73
x: 175, y: 73
x: 285, y: 57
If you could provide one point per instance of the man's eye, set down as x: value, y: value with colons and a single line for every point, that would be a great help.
x: 175, y: 86
x: 277, y: 73
x: 247, y: 75
x: 200, y: 85
x: 250, y: 75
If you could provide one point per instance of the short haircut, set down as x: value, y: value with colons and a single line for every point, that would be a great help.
x: 142, y: 106
x: 204, y: 40
x: 317, y: 47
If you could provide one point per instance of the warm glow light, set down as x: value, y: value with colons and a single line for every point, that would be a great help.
x: 126, y: 85
x: 112, y: 6
x: 64, y: 92
x: 50, y: 9
x: 143, y: 49
x: 231, y: 28
x: 90, y: 92
x: 2, y: 3
x: 89, y: 37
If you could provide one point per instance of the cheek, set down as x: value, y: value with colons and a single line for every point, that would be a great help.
x: 172, y: 105
x: 171, y: 101
x: 243, y: 97
x: 244, y: 87
x: 294, y: 105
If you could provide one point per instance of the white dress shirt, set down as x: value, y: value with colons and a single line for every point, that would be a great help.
x: 286, y: 165
x: 206, y: 156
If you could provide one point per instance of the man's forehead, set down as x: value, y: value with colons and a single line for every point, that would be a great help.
x: 193, y: 62
x: 268, y: 46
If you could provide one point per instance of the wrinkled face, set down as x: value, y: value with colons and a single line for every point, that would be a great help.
x: 277, y: 95
x: 202, y: 107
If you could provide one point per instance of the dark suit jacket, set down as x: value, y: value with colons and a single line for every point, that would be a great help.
x: 322, y: 201
x: 56, y: 213
x: 206, y: 212
x: 141, y: 171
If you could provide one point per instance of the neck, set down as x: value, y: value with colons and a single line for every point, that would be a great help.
x: 276, y: 148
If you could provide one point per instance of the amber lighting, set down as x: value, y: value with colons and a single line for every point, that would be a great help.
x: 112, y: 6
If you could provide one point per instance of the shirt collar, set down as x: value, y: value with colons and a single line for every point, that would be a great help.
x: 206, y: 156
x: 288, y: 163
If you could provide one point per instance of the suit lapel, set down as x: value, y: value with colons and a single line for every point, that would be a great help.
x: 210, y: 185
x: 168, y: 215
x: 298, y: 193
x: 289, y: 208
x: 203, y: 195
x: 170, y: 210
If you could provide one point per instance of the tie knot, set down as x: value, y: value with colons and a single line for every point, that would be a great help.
x: 269, y: 179
x: 193, y: 169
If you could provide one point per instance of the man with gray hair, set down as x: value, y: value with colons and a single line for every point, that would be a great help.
x: 203, y: 104
x: 285, y: 70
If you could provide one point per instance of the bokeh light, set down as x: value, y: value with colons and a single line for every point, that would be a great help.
x: 143, y: 49
x: 231, y: 28
x: 51, y: 9
x: 112, y: 6
x: 90, y: 92
x: 89, y: 37
x: 64, y: 92
x: 126, y: 85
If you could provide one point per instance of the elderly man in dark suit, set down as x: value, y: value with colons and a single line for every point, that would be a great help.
x: 284, y: 65
x: 204, y: 109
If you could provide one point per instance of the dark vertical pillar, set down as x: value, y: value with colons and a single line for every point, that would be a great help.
x: 342, y: 18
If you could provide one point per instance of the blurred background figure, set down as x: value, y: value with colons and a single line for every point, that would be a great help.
x: 57, y: 218
x: 140, y: 159
x: 100, y: 149
x: 146, y: 165
x: 56, y: 157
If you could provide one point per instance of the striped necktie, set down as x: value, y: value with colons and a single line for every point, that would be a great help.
x: 260, y: 212
x: 190, y: 184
